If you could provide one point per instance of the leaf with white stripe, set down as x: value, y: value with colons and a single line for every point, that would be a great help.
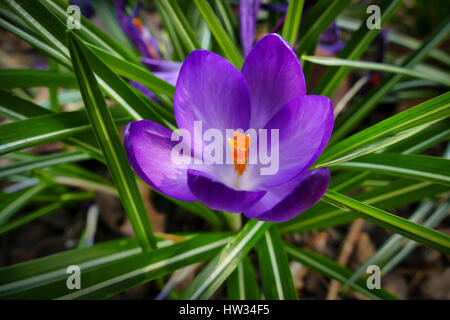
x: 242, y: 283
x: 276, y: 276
x: 219, y: 269
x: 106, y: 269
x: 410, y: 166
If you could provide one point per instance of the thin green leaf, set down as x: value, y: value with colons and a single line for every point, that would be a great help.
x: 48, y: 128
x: 316, y: 22
x: 389, y: 131
x: 384, y: 67
x: 354, y: 116
x: 410, y: 166
x: 179, y: 22
x: 392, y: 244
x: 394, y: 195
x: 353, y: 50
x: 292, y: 22
x: 27, y: 218
x: 435, y: 218
x: 333, y: 270
x: 42, y: 162
x: 414, y: 231
x: 11, y: 203
x: 113, y: 150
x: 218, y: 270
x: 228, y: 47
x: 28, y: 78
x: 242, y: 283
x: 276, y: 276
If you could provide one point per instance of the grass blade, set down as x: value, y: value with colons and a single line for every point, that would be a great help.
x: 419, y: 167
x: 414, y: 231
x: 113, y: 150
x: 276, y: 275
x: 353, y: 50
x: 384, y: 133
x: 28, y: 78
x: 218, y: 270
x: 354, y: 116
x: 228, y: 47
x: 242, y: 283
x: 384, y: 67
x: 333, y: 270
x: 292, y: 22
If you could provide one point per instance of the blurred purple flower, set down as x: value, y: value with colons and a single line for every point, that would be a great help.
x: 85, y: 6
x: 248, y: 15
x: 269, y: 93
x: 329, y: 40
x: 147, y: 45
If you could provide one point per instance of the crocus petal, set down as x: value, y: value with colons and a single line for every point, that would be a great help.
x: 288, y: 200
x: 149, y: 147
x: 218, y: 196
x: 161, y: 65
x: 305, y: 125
x: 210, y: 89
x: 274, y: 77
x: 248, y: 15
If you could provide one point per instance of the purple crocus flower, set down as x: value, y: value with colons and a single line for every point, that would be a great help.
x: 268, y: 93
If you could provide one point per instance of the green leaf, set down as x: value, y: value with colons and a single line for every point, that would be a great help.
x: 218, y: 270
x: 389, y: 131
x: 134, y: 72
x: 419, y: 167
x: 292, y: 22
x: 11, y: 203
x: 28, y: 78
x: 392, y: 244
x: 423, y: 139
x: 113, y: 150
x: 384, y: 67
x: 18, y: 222
x: 43, y: 17
x: 228, y: 47
x: 47, y: 128
x: 137, y: 106
x: 276, y: 276
x: 42, y: 162
x: 394, y: 195
x: 354, y: 116
x: 396, y: 37
x: 90, y: 32
x: 353, y: 50
x: 414, y: 231
x: 179, y: 23
x: 107, y: 268
x: 32, y: 38
x: 317, y: 21
x: 435, y: 218
x: 242, y: 283
x: 333, y: 270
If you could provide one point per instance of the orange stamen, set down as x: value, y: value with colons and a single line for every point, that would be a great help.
x: 138, y: 23
x: 239, y: 149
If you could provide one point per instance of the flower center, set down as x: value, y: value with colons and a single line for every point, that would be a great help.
x: 239, y: 149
